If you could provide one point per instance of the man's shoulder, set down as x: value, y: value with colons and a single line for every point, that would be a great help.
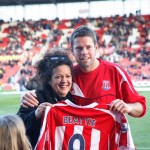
x: 76, y: 67
x: 109, y: 64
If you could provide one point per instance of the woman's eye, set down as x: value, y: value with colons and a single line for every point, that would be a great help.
x: 57, y: 77
x: 68, y: 76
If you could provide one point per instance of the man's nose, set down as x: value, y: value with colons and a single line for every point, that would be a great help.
x: 84, y: 50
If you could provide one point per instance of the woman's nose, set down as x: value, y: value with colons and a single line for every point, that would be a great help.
x: 64, y: 79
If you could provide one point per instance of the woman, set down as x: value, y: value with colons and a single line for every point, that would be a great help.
x: 55, y: 72
x: 12, y: 134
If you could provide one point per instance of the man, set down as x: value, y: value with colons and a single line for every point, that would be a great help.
x: 98, y: 80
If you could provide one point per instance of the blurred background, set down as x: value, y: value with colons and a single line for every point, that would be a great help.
x: 29, y: 28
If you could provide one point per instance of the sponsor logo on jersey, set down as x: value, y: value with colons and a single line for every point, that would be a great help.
x: 124, y: 127
x: 106, y: 85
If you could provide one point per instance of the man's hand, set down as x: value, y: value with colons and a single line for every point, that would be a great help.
x: 29, y: 99
x: 133, y: 109
x: 119, y: 106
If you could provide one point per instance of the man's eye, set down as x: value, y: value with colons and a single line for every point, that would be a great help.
x: 89, y: 47
x: 78, y: 48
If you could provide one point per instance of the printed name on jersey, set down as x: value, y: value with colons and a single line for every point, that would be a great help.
x: 78, y: 120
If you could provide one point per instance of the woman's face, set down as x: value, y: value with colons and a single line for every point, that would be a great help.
x: 61, y: 81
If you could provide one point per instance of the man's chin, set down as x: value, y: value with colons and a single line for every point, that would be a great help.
x: 84, y: 62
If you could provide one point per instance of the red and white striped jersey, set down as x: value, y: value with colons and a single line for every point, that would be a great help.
x: 67, y: 126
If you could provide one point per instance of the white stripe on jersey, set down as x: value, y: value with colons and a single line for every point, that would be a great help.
x: 130, y: 142
x: 77, y: 91
x: 59, y: 137
x: 69, y: 103
x: 95, y: 139
x: 78, y: 129
x: 124, y: 78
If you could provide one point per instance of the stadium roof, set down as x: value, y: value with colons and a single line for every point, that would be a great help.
x: 30, y: 2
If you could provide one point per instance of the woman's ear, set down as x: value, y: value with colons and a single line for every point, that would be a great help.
x: 49, y: 82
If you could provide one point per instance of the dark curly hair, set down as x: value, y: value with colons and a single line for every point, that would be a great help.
x: 50, y: 61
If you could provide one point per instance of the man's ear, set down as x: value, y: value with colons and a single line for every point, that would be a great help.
x: 71, y: 49
x: 96, y: 47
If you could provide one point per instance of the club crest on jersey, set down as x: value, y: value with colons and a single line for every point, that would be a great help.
x: 106, y: 85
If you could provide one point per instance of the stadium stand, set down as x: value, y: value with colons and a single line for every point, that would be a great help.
x: 122, y: 39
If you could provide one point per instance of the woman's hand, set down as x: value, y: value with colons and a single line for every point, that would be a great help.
x: 41, y: 109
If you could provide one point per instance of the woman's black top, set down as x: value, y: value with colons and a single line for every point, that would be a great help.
x: 33, y: 125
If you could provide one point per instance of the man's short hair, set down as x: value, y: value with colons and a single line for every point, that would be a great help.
x: 83, y: 31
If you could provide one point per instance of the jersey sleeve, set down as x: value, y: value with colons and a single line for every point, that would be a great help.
x: 127, y: 91
x: 43, y: 142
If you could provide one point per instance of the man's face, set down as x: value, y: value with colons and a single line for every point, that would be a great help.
x: 84, y: 51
